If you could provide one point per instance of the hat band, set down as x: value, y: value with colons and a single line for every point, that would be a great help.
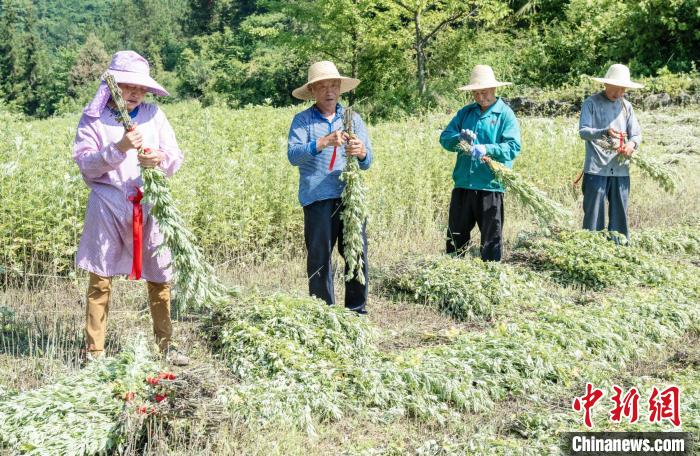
x: 326, y: 76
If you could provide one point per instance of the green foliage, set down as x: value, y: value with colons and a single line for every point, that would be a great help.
x: 665, y: 34
x: 242, y: 53
x: 22, y: 56
x: 294, y: 356
x: 269, y: 335
x: 354, y: 213
x: 340, y: 30
x: 354, y: 217
x: 456, y: 52
x: 233, y: 213
x: 28, y: 224
x: 592, y: 260
x: 39, y: 79
x: 591, y: 35
x: 466, y: 289
x: 559, y: 344
x: 365, y: 39
x: 223, y: 67
x: 90, y: 63
x: 79, y: 414
x: 206, y: 16
x: 429, y: 19
x: 672, y: 83
x: 545, y: 210
x: 38, y: 44
x: 153, y: 28
x: 196, y: 284
x: 56, y: 94
x: 678, y: 240
x: 300, y: 361
x: 238, y: 194
x: 65, y: 22
x: 659, y: 172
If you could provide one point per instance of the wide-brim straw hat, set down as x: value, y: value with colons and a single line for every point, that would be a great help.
x: 482, y: 77
x: 128, y: 67
x: 321, y: 71
x: 619, y: 75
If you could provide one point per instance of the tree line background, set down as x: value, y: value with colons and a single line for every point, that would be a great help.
x: 410, y: 54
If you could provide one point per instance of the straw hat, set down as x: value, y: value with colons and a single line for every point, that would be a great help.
x: 482, y: 77
x: 320, y: 71
x: 619, y: 75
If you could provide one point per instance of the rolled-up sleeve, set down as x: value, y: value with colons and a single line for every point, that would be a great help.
x: 92, y: 157
x: 299, y: 148
x: 508, y: 145
x: 168, y: 145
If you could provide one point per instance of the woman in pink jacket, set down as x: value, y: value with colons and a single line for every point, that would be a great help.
x: 108, y: 160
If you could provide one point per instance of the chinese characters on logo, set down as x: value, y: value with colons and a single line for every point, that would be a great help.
x: 663, y: 405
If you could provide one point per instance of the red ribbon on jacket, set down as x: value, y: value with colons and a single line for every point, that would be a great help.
x: 137, y: 234
x: 330, y: 167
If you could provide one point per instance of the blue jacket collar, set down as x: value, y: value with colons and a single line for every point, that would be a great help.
x: 338, y: 112
x: 495, y: 108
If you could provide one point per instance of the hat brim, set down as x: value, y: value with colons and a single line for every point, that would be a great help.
x: 127, y: 77
x: 489, y: 85
x: 346, y: 85
x: 615, y: 82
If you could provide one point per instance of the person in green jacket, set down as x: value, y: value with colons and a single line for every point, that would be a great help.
x: 491, y: 128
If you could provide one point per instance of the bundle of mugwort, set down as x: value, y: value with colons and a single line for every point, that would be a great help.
x: 546, y: 211
x: 658, y: 171
x: 354, y: 212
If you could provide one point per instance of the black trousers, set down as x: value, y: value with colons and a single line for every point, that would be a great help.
x: 322, y: 229
x: 480, y: 207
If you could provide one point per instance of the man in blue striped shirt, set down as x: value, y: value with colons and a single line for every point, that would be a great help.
x: 318, y: 146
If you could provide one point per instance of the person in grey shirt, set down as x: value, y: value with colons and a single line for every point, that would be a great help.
x: 608, y: 117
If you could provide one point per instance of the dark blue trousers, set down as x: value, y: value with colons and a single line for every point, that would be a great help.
x: 596, y: 189
x: 322, y: 229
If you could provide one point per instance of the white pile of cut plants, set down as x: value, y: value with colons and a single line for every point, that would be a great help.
x: 296, y: 362
x: 84, y: 413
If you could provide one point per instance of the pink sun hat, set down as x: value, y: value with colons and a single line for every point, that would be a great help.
x: 127, y: 67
